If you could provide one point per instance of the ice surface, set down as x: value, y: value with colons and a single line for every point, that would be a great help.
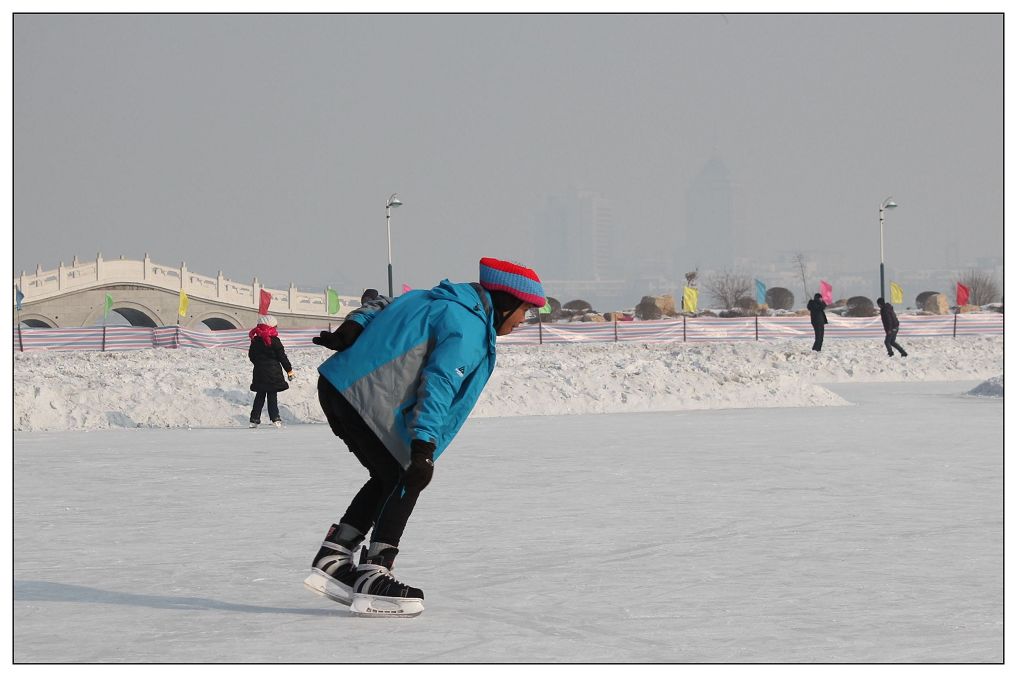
x: 863, y: 533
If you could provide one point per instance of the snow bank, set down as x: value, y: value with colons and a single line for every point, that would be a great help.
x: 991, y: 388
x: 162, y: 388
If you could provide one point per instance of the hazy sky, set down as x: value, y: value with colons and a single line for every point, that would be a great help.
x: 267, y: 145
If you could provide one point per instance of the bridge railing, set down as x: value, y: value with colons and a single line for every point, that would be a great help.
x: 45, y: 284
x: 698, y: 329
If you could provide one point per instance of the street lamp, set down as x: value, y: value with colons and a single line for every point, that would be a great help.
x: 888, y: 203
x: 393, y: 201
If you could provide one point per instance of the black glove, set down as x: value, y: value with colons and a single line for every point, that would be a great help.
x: 421, y: 469
x: 340, y: 339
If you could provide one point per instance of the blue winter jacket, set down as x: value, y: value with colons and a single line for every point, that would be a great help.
x: 419, y: 366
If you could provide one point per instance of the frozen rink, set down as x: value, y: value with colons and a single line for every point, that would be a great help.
x: 864, y: 533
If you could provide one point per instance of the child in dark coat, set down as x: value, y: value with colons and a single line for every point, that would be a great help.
x: 267, y: 354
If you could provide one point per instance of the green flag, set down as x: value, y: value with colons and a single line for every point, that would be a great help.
x: 333, y: 301
x: 546, y: 309
x: 107, y: 306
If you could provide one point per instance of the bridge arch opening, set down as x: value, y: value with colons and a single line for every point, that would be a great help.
x: 136, y: 318
x: 35, y: 324
x: 218, y: 324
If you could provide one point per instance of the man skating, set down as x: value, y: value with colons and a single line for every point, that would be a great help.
x: 397, y: 392
x: 891, y: 325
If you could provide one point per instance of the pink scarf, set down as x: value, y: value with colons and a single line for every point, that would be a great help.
x: 265, y: 332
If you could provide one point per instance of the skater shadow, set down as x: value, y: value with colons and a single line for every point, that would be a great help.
x: 45, y: 591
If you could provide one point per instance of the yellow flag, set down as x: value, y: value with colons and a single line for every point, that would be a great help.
x: 896, y: 293
x: 691, y: 297
x: 182, y: 309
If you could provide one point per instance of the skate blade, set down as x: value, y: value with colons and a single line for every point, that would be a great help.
x: 324, y: 586
x: 379, y: 607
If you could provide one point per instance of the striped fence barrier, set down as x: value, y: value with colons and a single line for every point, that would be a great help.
x: 692, y: 329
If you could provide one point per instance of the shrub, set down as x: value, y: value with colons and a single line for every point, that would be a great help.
x: 923, y: 297
x: 648, y: 310
x: 780, y: 298
x: 578, y: 306
x: 860, y: 306
x: 748, y: 305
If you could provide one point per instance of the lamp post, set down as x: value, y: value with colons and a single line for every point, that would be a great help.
x: 393, y: 201
x: 888, y: 203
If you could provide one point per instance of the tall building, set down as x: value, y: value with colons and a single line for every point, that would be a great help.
x: 576, y: 242
x: 709, y: 242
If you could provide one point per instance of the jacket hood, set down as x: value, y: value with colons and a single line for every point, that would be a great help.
x: 469, y: 296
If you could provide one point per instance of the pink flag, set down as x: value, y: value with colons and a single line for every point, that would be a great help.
x: 826, y: 291
x: 406, y: 288
x: 266, y: 299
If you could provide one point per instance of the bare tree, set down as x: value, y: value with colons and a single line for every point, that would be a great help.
x: 727, y: 287
x: 799, y: 258
x: 691, y: 277
x: 982, y: 287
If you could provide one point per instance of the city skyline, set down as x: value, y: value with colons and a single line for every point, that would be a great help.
x: 266, y: 146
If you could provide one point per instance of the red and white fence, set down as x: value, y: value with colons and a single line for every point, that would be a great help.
x: 693, y: 329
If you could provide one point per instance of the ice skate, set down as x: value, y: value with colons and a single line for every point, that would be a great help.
x: 333, y: 572
x: 277, y: 424
x: 253, y: 424
x: 377, y: 593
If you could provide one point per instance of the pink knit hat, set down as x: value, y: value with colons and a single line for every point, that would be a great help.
x: 517, y: 280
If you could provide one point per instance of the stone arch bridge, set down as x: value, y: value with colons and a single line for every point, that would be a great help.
x: 147, y: 294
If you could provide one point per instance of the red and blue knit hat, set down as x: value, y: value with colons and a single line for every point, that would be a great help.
x: 517, y: 280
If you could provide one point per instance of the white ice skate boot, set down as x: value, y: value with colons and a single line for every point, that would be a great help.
x: 333, y: 572
x: 277, y: 424
x: 253, y: 424
x: 377, y: 593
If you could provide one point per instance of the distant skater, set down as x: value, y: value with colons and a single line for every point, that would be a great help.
x: 817, y: 309
x: 891, y: 325
x: 402, y: 383
x: 344, y: 336
x: 268, y: 355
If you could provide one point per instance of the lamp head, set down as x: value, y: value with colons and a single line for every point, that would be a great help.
x: 394, y: 201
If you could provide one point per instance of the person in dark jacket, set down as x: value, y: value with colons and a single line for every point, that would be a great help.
x: 817, y: 309
x: 399, y: 388
x: 346, y: 333
x: 891, y: 325
x: 267, y: 354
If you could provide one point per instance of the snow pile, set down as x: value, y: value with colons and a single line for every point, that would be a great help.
x: 161, y: 388
x: 991, y: 388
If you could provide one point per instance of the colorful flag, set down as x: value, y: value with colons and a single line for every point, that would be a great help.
x: 691, y: 299
x: 896, y: 293
x: 406, y: 288
x: 18, y: 297
x: 107, y: 306
x: 546, y: 310
x: 184, y: 301
x: 266, y: 300
x: 826, y: 291
x: 760, y: 292
x: 333, y: 301
x: 963, y: 294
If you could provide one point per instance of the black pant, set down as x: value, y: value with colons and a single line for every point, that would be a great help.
x: 891, y: 342
x: 259, y: 402
x: 383, y: 502
x: 817, y: 345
